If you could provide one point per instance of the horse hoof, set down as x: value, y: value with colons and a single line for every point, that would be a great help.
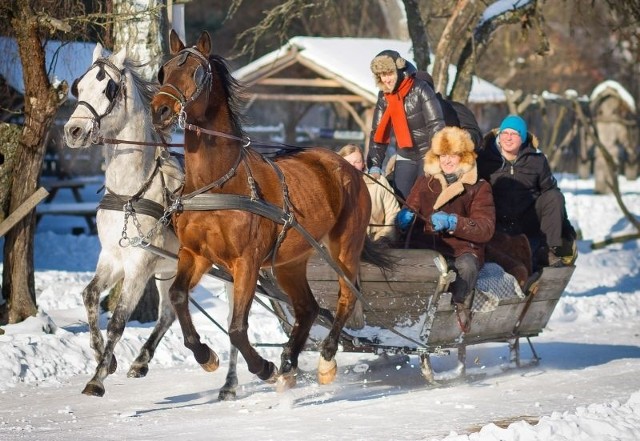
x: 113, y: 365
x: 269, y: 374
x: 327, y: 370
x: 93, y: 389
x: 226, y: 395
x: 212, y: 364
x: 285, y: 382
x: 138, y: 371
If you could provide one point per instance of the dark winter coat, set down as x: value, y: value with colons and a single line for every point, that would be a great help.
x: 517, y: 185
x: 424, y: 117
x: 474, y: 207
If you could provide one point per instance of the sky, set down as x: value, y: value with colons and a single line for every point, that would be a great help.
x: 585, y: 387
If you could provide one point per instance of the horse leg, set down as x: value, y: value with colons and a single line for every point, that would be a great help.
x: 292, y: 278
x: 190, y: 271
x: 90, y: 297
x: 245, y: 276
x: 228, y: 390
x: 140, y: 366
x: 132, y: 289
x: 327, y: 366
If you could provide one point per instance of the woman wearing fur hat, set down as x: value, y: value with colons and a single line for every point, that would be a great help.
x: 408, y: 106
x: 459, y: 209
x: 526, y: 194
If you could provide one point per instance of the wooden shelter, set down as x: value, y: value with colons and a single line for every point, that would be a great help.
x: 333, y: 72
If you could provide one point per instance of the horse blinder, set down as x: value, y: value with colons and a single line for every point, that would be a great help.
x: 198, y: 76
x: 111, y: 90
x: 74, y: 87
x: 161, y: 75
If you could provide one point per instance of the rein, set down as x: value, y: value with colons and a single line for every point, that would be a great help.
x: 101, y: 140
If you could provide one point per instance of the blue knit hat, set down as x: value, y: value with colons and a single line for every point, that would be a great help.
x: 516, y: 123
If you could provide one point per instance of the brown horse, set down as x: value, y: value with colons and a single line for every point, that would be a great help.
x: 318, y: 195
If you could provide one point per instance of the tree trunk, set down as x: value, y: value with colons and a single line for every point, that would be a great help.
x: 418, y: 32
x: 463, y: 15
x: 9, y: 141
x: 41, y: 103
x: 144, y: 38
x: 478, y: 43
x: 395, y: 18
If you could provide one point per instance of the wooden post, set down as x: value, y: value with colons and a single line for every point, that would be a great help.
x: 23, y: 210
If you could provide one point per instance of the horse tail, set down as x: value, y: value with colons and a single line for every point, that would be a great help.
x: 378, y: 254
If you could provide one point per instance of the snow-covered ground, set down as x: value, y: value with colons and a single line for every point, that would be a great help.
x: 586, y: 386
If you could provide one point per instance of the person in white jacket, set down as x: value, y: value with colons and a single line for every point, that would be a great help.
x: 384, y: 206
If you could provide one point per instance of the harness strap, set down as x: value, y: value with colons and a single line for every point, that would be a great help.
x: 222, y: 201
x: 143, y: 189
x: 220, y: 181
x: 140, y: 206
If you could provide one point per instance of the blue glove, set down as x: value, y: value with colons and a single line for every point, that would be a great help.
x: 404, y: 218
x: 442, y: 221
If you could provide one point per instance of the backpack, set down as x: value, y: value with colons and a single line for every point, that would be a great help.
x: 455, y: 113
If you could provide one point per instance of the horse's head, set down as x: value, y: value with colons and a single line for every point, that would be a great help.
x: 99, y: 91
x: 185, y: 80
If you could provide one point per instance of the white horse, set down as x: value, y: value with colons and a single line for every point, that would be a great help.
x: 113, y: 104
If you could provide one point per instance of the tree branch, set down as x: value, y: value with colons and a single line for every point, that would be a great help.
x: 615, y: 188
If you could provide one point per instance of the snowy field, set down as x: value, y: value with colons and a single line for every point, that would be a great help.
x: 586, y: 386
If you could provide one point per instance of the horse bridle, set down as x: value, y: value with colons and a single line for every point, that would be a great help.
x: 113, y: 91
x: 201, y: 78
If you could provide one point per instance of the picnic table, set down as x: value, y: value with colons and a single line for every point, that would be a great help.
x: 80, y: 207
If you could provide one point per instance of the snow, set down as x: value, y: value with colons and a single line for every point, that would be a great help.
x: 585, y: 387
x: 499, y: 7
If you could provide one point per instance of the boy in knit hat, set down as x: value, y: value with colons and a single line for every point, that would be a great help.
x: 526, y: 194
x: 407, y: 107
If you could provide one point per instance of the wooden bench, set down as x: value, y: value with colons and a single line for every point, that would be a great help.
x: 85, y: 209
x: 77, y: 208
x: 74, y: 184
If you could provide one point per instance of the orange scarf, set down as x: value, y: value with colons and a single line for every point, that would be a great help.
x: 395, y: 116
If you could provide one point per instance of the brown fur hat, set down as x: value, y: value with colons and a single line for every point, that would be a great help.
x: 450, y: 141
x: 387, y: 61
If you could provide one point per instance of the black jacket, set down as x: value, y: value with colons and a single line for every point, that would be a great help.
x: 517, y: 185
x: 424, y: 117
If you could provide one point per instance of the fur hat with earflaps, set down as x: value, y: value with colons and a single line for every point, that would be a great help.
x: 450, y: 141
x: 387, y: 61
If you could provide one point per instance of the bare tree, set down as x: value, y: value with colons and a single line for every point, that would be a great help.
x: 42, y: 100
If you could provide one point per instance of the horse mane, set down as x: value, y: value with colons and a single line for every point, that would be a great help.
x: 233, y: 90
x: 145, y: 91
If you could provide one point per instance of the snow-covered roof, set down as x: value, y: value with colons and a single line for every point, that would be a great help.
x: 347, y: 61
x: 602, y: 88
x: 64, y: 61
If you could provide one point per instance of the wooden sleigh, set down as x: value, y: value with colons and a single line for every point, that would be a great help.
x: 409, y: 310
